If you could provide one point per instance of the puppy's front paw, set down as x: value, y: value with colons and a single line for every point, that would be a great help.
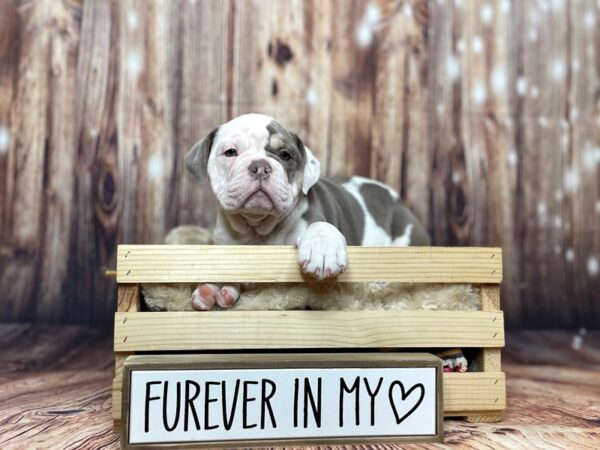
x: 322, y: 251
x: 207, y: 295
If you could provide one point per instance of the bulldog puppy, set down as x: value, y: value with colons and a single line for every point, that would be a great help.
x: 270, y: 191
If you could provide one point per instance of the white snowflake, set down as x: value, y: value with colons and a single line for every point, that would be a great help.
x: 372, y: 13
x: 571, y: 180
x: 4, y: 139
x: 460, y: 45
x: 456, y: 177
x: 499, y: 80
x: 222, y: 97
x: 557, y: 69
x: 134, y: 63
x: 521, y: 86
x: 311, y: 96
x: 440, y: 108
x: 155, y: 167
x: 364, y: 34
x: 535, y: 92
x: 512, y: 157
x: 407, y: 10
x: 558, y: 195
x: 557, y: 222
x: 452, y: 68
x: 542, y: 209
x: 574, y: 114
x: 477, y: 44
x: 592, y: 266
x: 486, y: 13
x: 558, y: 4
x: 576, y: 342
x: 591, y: 156
x: 575, y: 65
x: 543, y: 121
x: 505, y: 6
x: 570, y: 255
x: 564, y: 142
x: 94, y: 132
x: 458, y: 3
x: 479, y: 92
x: 533, y: 34
x: 132, y: 20
x: 589, y: 20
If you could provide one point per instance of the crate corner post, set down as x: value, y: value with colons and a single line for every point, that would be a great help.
x: 128, y: 300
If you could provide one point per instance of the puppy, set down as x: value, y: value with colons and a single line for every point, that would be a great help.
x: 270, y: 191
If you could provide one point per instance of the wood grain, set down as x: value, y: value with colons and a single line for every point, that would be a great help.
x: 156, y: 331
x: 488, y: 359
x: 129, y: 299
x: 55, y: 393
x: 179, y: 263
x: 483, y: 115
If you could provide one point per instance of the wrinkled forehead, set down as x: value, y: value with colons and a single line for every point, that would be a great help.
x: 251, y: 127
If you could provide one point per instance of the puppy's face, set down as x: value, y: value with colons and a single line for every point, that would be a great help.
x: 255, y: 166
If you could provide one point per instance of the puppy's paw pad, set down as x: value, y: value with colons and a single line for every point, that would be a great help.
x: 228, y: 296
x: 204, y: 297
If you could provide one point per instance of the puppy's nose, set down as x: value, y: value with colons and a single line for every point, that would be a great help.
x: 260, y: 169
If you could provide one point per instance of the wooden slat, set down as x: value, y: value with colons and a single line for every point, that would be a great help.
x: 474, y: 392
x: 128, y: 298
x: 489, y: 359
x: 464, y: 393
x: 152, y: 331
x: 180, y: 264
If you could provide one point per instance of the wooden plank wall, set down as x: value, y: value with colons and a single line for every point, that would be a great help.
x: 485, y: 115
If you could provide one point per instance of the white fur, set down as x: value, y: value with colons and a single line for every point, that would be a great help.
x: 312, y: 171
x: 253, y: 207
x: 404, y: 240
x: 322, y: 250
x: 230, y: 179
x: 374, y: 235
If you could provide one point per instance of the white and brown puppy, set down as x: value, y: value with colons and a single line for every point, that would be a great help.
x: 270, y: 191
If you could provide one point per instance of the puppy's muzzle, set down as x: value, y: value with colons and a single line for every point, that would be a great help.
x: 261, y: 169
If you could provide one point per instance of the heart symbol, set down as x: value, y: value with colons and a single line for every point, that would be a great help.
x: 405, y: 394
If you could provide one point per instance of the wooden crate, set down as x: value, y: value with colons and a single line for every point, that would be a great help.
x: 479, y: 395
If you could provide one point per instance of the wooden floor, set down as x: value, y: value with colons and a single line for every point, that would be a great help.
x: 55, y: 393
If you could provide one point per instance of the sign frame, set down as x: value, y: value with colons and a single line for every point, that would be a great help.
x: 322, y: 360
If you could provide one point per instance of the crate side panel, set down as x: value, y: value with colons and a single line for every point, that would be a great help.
x: 231, y: 263
x: 177, y: 331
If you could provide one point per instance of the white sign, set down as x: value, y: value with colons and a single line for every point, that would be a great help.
x: 177, y: 406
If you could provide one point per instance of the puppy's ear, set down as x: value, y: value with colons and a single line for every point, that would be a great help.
x: 312, y: 167
x: 196, y: 159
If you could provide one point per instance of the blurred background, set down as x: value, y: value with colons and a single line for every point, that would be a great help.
x: 485, y: 115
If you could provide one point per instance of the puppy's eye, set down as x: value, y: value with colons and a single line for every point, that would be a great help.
x: 230, y: 152
x: 285, y: 155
